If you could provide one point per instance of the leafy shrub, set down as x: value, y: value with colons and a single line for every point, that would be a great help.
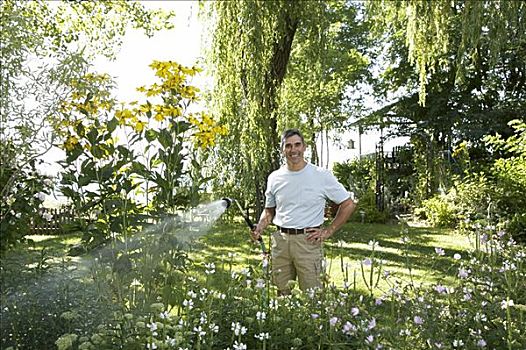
x: 367, y: 211
x: 357, y: 175
x: 23, y: 190
x: 440, y: 212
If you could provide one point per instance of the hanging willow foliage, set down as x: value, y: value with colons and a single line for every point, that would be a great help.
x: 251, y: 47
x: 429, y: 30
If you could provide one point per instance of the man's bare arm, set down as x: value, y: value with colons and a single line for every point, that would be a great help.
x: 265, y: 219
x: 345, y: 210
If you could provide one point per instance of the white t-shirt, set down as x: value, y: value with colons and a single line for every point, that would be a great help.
x: 300, y: 196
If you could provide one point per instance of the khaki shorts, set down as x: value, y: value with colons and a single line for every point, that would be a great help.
x: 293, y: 256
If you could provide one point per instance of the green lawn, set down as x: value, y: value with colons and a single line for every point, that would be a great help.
x: 412, y: 261
x: 415, y: 260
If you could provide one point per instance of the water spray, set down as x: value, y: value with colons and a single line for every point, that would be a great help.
x: 228, y: 203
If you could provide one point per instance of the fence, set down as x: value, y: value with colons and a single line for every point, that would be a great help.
x: 51, y: 221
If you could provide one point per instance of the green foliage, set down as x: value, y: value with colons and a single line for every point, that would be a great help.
x: 223, y: 298
x: 357, y: 175
x: 367, y: 211
x: 115, y: 156
x: 22, y: 191
x: 494, y: 195
x: 440, y: 212
x: 289, y: 68
x: 509, y: 174
x: 430, y: 32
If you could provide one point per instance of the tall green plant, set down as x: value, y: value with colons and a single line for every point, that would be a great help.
x: 114, y: 155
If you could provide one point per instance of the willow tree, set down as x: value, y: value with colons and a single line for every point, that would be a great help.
x: 469, y: 69
x: 273, y: 68
x: 330, y: 57
x: 429, y: 33
x: 251, y: 48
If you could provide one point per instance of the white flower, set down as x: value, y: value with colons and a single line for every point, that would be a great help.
x: 348, y: 328
x: 262, y: 336
x: 372, y: 243
x: 355, y: 311
x: 273, y: 304
x: 188, y: 303
x: 457, y: 256
x: 152, y: 326
x: 372, y: 324
x: 199, y: 331
x: 191, y: 294
x: 458, y: 343
x: 239, y: 346
x: 238, y: 328
x: 314, y: 316
x: 367, y: 262
x: 333, y: 321
x: 369, y: 339
x: 506, y: 304
x: 170, y: 341
x: 260, y: 283
x: 406, y: 332
x: 441, y: 289
x: 213, y: 327
x: 47, y: 216
x: 151, y: 346
x: 210, y: 268
x: 164, y: 315
x: 440, y: 251
x: 40, y: 196
x: 261, y: 315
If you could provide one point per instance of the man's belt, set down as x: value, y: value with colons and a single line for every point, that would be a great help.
x: 294, y: 231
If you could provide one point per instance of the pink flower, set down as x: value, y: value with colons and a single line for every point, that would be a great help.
x: 418, y: 320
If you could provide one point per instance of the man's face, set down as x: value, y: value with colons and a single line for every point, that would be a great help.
x: 293, y: 149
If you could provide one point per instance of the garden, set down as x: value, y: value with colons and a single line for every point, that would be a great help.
x: 146, y: 253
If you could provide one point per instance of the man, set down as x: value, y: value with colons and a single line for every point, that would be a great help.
x: 295, y: 201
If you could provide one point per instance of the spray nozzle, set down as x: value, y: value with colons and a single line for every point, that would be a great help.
x: 228, y: 201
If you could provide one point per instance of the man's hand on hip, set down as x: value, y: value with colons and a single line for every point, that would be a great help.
x: 318, y: 234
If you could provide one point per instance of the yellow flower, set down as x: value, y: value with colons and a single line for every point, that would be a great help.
x: 144, y: 108
x: 159, y: 117
x: 139, y: 126
x: 123, y: 115
x: 70, y: 143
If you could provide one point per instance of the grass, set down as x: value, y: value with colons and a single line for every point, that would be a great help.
x: 412, y: 262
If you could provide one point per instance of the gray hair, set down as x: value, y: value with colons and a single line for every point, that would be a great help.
x: 291, y: 132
